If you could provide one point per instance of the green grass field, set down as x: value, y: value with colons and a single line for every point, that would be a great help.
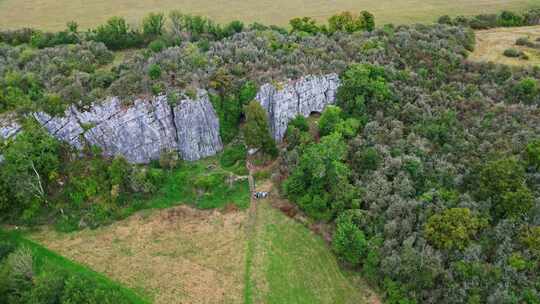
x: 53, y: 14
x: 287, y: 263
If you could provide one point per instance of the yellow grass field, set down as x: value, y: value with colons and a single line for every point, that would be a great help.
x: 490, y: 45
x: 53, y: 14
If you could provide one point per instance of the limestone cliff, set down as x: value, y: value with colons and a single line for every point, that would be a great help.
x: 142, y: 131
x: 303, y: 96
x: 147, y: 127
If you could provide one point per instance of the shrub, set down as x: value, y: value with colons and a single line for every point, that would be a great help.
x: 6, y: 247
x: 154, y: 71
x: 349, y: 242
x: 513, y: 53
x: 509, y: 19
x: 367, y: 160
x: 153, y: 24
x: 530, y: 237
x: 453, y: 228
x: 169, y: 160
x: 524, y: 41
x: 525, y: 91
x: 48, y: 287
x: 330, y: 119
x: 117, y: 35
x: 232, y: 155
x: 347, y: 22
x: 533, y: 153
x: 300, y: 122
x: 209, y: 182
x: 157, y: 45
x: 304, y: 25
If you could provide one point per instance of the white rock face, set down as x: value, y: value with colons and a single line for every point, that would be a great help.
x: 8, y: 127
x: 303, y: 96
x: 142, y: 131
x: 197, y: 128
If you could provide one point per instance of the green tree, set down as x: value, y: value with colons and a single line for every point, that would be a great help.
x: 305, y: 24
x: 320, y: 183
x: 31, y: 164
x: 363, y: 87
x: 453, y: 228
x: 533, y: 153
x: 526, y: 91
x: 367, y: 159
x: 153, y: 24
x: 257, y: 131
x: 503, y: 181
x: 154, y: 71
x: 349, y: 242
x: 368, y: 21
x: 330, y: 119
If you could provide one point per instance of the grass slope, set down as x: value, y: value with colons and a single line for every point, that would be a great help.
x: 287, y: 263
x: 43, y: 257
x: 53, y: 14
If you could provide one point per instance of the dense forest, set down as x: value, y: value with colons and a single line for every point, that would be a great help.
x: 427, y: 166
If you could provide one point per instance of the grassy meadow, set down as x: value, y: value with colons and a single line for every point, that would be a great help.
x: 53, y: 14
x: 491, y: 44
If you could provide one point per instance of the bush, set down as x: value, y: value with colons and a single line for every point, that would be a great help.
x: 304, y: 25
x: 153, y: 24
x: 526, y: 91
x: 117, y: 35
x: 533, y: 153
x: 347, y: 22
x: 349, y: 242
x: 509, y: 19
x: 330, y: 119
x: 367, y: 160
x: 157, y: 45
x: 154, y: 71
x: 6, y: 247
x: 453, y: 228
x: 300, y: 122
x: 169, y: 160
x: 513, y: 53
x: 231, y: 156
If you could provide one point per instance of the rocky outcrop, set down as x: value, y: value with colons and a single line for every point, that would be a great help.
x: 142, y: 131
x: 8, y: 127
x: 303, y: 96
x: 197, y: 128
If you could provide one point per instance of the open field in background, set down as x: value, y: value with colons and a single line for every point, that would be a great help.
x: 53, y: 14
x: 490, y: 45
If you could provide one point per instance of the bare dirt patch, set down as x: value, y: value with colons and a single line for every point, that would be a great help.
x: 179, y: 255
x: 491, y: 44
